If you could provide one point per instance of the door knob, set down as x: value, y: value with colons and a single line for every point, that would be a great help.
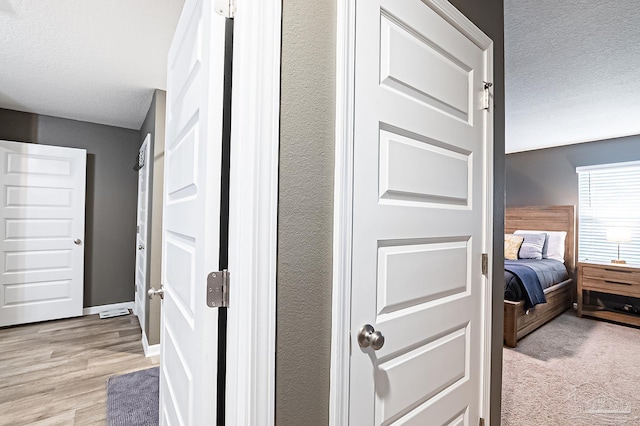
x: 140, y: 247
x: 153, y: 292
x: 368, y: 336
x: 77, y: 241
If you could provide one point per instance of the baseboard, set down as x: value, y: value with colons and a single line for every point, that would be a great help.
x: 149, y: 350
x: 97, y: 309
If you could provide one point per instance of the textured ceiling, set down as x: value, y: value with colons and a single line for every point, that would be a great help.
x: 91, y: 60
x: 572, y: 71
x: 572, y: 68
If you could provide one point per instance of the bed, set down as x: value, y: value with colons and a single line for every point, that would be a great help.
x: 518, y: 319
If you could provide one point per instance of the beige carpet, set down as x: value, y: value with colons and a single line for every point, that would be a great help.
x: 573, y: 371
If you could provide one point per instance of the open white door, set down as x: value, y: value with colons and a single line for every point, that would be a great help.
x: 421, y: 185
x: 192, y: 216
x: 142, y: 260
x: 42, y: 232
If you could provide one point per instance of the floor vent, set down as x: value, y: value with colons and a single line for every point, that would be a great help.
x: 114, y: 313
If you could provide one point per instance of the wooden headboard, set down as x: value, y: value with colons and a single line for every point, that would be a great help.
x: 551, y: 218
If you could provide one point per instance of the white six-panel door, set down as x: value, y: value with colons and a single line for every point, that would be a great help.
x: 191, y: 217
x: 419, y: 217
x: 142, y: 230
x: 42, y: 232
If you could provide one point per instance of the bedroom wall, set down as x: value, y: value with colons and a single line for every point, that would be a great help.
x: 305, y: 222
x: 110, y: 226
x: 154, y: 124
x: 548, y: 176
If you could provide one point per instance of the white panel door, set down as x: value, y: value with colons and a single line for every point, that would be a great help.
x: 42, y: 232
x: 191, y: 222
x: 142, y: 229
x: 419, y: 215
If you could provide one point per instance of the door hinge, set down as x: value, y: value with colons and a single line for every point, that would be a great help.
x: 481, y: 422
x: 487, y: 94
x: 485, y: 263
x: 226, y: 8
x: 141, y: 159
x: 218, y: 289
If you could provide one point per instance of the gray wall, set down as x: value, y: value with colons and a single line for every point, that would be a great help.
x: 154, y: 125
x: 548, y: 176
x: 305, y: 222
x: 110, y: 226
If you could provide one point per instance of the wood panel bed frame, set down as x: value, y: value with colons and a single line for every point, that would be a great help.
x: 519, y: 322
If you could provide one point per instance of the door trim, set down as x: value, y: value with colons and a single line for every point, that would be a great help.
x: 342, y: 215
x: 253, y: 214
x: 485, y: 404
x: 343, y: 203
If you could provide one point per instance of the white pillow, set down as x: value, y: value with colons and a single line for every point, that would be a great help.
x: 553, y: 246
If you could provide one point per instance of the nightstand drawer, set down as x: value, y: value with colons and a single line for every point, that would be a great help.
x: 609, y: 278
x: 610, y: 285
x: 611, y: 274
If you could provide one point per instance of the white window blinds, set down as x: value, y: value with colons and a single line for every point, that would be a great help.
x: 609, y: 196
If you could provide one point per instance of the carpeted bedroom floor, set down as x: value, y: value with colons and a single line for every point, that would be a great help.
x: 573, y: 371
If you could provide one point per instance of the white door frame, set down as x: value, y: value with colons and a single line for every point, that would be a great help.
x: 253, y: 213
x: 343, y: 204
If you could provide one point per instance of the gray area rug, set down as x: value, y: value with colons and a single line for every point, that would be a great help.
x: 573, y: 371
x: 132, y: 399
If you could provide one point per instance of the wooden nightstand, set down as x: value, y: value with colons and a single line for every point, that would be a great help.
x: 605, y: 277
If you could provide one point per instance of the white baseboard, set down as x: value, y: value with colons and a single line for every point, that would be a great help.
x: 149, y: 350
x: 97, y: 309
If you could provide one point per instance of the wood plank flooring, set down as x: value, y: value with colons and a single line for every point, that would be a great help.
x: 55, y: 372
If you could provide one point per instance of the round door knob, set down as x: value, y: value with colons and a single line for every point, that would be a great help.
x: 368, y: 336
x: 140, y: 247
x: 153, y: 292
x: 77, y: 241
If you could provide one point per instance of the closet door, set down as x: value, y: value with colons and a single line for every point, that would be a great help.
x: 193, y: 219
x: 42, y: 232
x: 142, y: 256
x: 421, y: 215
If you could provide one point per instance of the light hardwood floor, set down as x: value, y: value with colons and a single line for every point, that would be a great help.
x: 55, y: 372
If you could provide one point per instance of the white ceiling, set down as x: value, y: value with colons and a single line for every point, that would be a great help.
x: 572, y: 68
x: 572, y: 71
x: 91, y: 60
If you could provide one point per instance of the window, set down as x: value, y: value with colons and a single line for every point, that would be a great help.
x: 609, y: 196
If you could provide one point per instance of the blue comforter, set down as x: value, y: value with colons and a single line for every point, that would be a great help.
x: 528, y: 277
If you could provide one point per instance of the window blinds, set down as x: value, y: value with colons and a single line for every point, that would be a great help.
x: 609, y: 196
